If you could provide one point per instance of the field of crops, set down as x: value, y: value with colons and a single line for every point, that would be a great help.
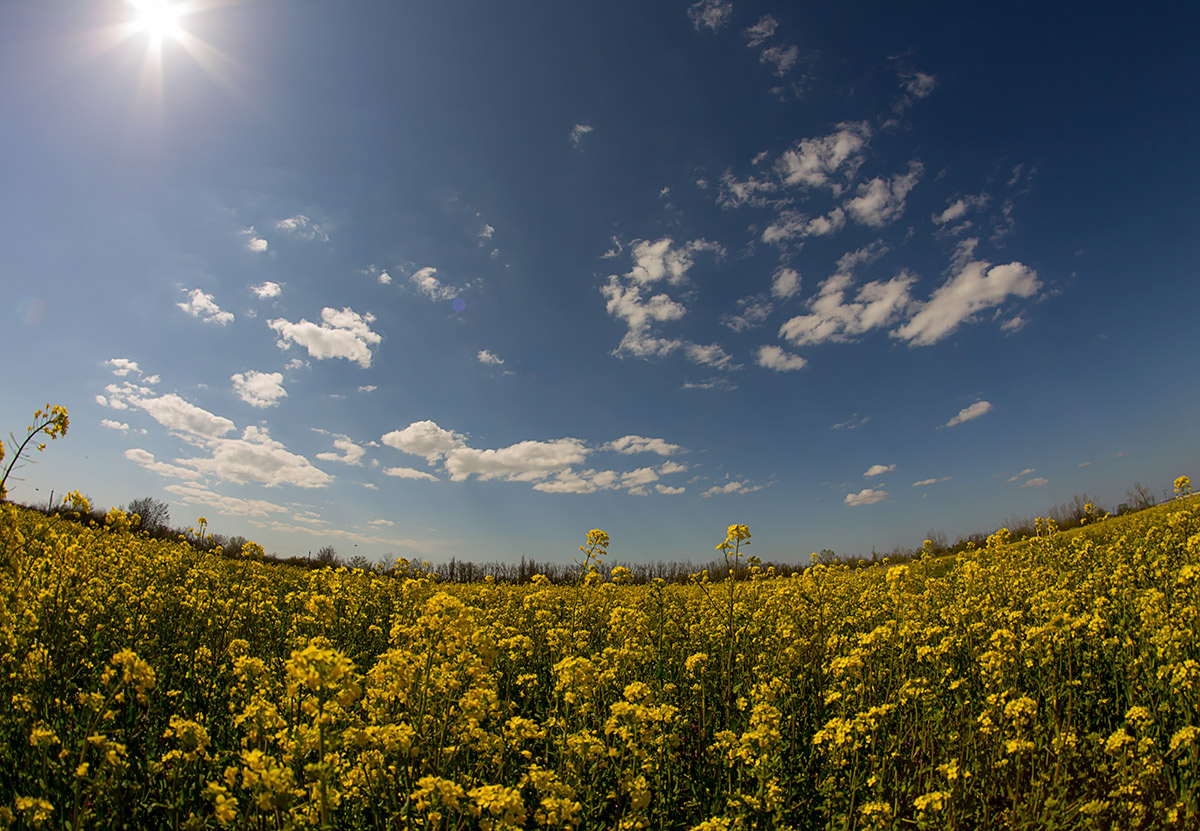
x: 1051, y: 683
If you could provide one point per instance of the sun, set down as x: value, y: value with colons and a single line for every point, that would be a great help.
x: 159, y: 19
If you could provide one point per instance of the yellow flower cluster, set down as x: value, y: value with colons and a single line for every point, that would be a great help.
x: 1055, y: 681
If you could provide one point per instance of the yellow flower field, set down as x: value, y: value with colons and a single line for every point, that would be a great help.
x: 1051, y: 683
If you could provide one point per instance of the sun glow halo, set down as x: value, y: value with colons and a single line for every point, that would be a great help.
x: 157, y: 18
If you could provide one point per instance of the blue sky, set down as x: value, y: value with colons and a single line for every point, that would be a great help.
x: 469, y: 279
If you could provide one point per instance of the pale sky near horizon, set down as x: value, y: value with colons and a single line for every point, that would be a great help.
x: 469, y: 279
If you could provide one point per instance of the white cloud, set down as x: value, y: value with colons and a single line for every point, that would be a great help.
x: 174, y: 413
x: 773, y: 357
x: 486, y: 357
x: 710, y: 14
x: 382, y: 523
x: 303, y: 227
x: 626, y: 304
x: 923, y: 482
x: 384, y: 278
x: 123, y: 366
x: 409, y: 473
x: 919, y: 84
x: 367, y: 388
x: 968, y: 413
x: 1013, y: 325
x: 1039, y: 482
x: 1024, y: 472
x: 668, y: 490
x: 344, y: 334
x: 832, y: 318
x: 978, y: 286
x: 652, y: 261
x: 578, y: 132
x: 196, y: 495
x: 866, y: 496
x: 755, y: 310
x: 782, y: 58
x: 734, y: 486
x: 486, y: 232
x: 201, y: 305
x: 793, y: 224
x: 710, y: 355
x: 854, y: 422
x: 424, y: 438
x: 750, y: 191
x: 267, y: 289
x: 146, y: 460
x: 524, y: 461
x: 957, y: 209
x: 669, y: 467
x: 881, y: 200
x: 256, y: 457
x: 760, y: 31
x: 259, y: 389
x: 254, y: 242
x: 428, y: 284
x: 815, y: 161
x: 350, y: 453
x: 785, y: 283
x: 878, y: 470
x: 114, y: 425
x: 630, y: 445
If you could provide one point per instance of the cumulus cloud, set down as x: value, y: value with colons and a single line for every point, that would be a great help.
x: 302, y: 227
x: 120, y: 426
x: 428, y: 284
x: 383, y: 523
x: 653, y: 261
x: 832, y: 318
x: 710, y: 14
x: 785, y: 283
x: 968, y: 413
x: 828, y: 161
x: 866, y: 496
x: 424, y: 438
x: 578, y: 132
x: 384, y: 278
x: 796, y: 225
x: 878, y: 470
x: 551, y: 466
x: 626, y: 303
x: 409, y: 473
x: 267, y: 289
x: 258, y: 458
x: 631, y: 444
x: 233, y: 506
x: 146, y: 460
x: 733, y: 486
x: 341, y: 334
x: 348, y: 452
x: 254, y: 242
x: 773, y: 357
x: 486, y: 357
x: 201, y: 305
x: 259, y: 389
x: 123, y: 366
x: 669, y: 490
x: 882, y: 200
x: 760, y: 31
x: 978, y: 286
x: 174, y: 413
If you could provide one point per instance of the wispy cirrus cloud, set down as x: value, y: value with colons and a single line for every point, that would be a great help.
x: 710, y: 14
x: 577, y: 133
x: 301, y: 227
